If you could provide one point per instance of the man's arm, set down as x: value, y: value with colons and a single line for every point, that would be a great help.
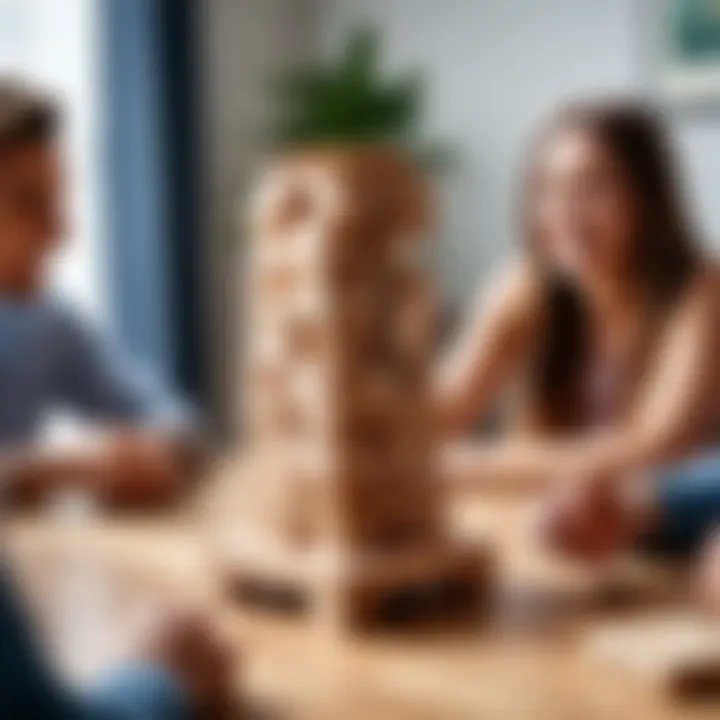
x: 122, y: 468
x: 144, y: 447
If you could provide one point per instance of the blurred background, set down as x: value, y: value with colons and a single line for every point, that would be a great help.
x: 172, y: 101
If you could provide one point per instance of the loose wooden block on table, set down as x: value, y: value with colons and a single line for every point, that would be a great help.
x: 678, y: 652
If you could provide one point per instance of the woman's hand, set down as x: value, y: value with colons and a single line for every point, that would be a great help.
x: 587, y: 519
x: 709, y: 575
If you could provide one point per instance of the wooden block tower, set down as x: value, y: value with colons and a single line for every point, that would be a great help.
x: 342, y: 497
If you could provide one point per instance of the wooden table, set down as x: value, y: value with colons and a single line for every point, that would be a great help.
x: 526, y: 662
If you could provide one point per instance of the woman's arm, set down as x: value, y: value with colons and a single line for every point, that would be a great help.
x: 486, y: 351
x: 674, y: 408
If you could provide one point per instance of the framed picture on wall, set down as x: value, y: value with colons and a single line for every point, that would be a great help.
x: 690, y: 51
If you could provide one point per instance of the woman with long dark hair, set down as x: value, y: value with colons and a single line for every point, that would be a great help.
x: 606, y: 331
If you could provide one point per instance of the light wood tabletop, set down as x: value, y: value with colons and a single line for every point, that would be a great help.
x: 527, y: 660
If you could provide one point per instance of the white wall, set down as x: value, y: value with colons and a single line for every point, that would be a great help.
x: 495, y: 67
x: 245, y: 42
x: 699, y: 137
x: 54, y: 44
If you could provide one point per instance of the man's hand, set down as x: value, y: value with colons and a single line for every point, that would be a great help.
x: 123, y: 468
x: 136, y: 468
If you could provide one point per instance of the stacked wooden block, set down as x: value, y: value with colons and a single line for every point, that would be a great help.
x: 341, y: 331
x: 339, y: 495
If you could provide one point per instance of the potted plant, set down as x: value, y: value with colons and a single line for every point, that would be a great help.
x: 350, y: 102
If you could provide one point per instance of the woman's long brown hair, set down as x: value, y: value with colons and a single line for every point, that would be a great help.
x: 664, y: 255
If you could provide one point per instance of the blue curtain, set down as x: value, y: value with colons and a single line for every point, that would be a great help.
x: 152, y: 208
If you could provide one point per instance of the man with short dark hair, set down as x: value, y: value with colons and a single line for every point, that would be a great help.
x: 50, y: 358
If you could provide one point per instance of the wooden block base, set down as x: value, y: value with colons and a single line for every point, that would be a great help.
x: 361, y: 589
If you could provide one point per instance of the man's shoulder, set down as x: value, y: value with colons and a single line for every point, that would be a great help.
x: 69, y: 331
x: 65, y: 316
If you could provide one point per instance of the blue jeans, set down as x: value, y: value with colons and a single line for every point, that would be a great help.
x: 142, y: 692
x: 30, y: 691
x: 688, y: 497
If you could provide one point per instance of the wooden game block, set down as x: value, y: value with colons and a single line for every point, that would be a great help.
x: 278, y: 281
x: 387, y: 511
x: 369, y: 470
x: 357, y: 320
x: 265, y: 378
x: 288, y: 288
x: 290, y: 421
x: 350, y: 277
x: 370, y: 437
x: 382, y: 351
x: 370, y: 474
x: 389, y: 451
x: 379, y: 281
x: 394, y: 592
x: 386, y: 191
x: 387, y: 530
x: 296, y: 408
x: 348, y: 590
x: 268, y: 347
x: 292, y: 194
x: 307, y: 338
x: 291, y: 511
x: 286, y: 341
x: 414, y: 318
x: 286, y: 494
x: 679, y: 653
x: 263, y: 423
x: 378, y: 392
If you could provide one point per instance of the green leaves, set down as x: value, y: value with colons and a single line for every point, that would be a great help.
x: 359, y: 66
x: 349, y: 101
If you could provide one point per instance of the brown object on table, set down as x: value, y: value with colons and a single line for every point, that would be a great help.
x: 339, y: 497
x: 680, y: 653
